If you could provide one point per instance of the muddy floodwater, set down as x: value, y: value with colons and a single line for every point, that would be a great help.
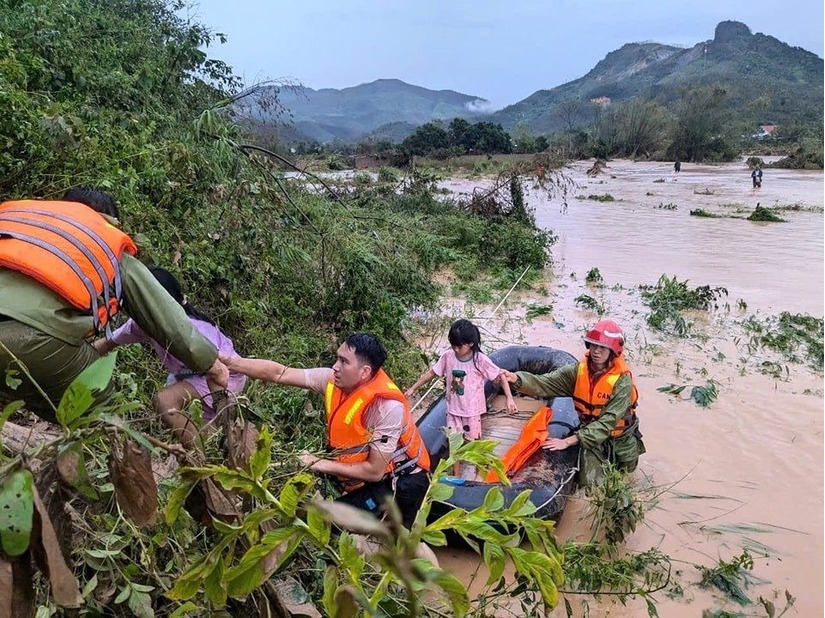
x: 746, y: 472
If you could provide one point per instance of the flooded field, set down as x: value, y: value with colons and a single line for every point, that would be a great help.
x: 746, y: 472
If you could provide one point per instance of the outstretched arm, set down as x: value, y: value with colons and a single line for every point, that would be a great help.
x: 266, y: 370
x: 512, y: 408
x: 425, y: 377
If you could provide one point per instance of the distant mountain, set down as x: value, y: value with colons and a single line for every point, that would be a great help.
x: 780, y: 83
x: 768, y: 82
x: 351, y: 113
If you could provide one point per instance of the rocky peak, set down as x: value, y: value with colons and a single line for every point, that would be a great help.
x: 731, y: 31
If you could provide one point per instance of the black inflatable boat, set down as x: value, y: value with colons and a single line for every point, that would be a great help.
x: 549, y: 493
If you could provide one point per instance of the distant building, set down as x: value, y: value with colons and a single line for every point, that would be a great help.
x: 601, y: 101
x: 765, y: 131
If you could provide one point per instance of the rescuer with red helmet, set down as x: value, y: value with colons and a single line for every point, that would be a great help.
x: 605, y: 396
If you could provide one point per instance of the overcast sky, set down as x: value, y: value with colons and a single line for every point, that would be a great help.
x: 499, y: 50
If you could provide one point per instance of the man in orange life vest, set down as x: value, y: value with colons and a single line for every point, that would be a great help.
x: 375, y: 448
x: 604, y: 395
x: 65, y: 271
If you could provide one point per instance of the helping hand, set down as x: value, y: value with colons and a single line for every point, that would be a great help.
x: 512, y: 408
x: 509, y: 376
x: 307, y: 459
x: 555, y: 444
x: 219, y: 374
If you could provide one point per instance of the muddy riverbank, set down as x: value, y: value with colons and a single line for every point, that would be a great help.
x: 746, y: 472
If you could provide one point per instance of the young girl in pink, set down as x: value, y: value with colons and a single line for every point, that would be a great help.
x: 465, y: 368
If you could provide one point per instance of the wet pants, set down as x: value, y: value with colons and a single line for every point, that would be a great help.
x: 52, y: 363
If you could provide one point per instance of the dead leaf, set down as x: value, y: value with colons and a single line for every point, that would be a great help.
x: 72, y: 468
x: 64, y: 585
x: 241, y: 441
x: 218, y: 502
x: 346, y: 604
x: 20, y: 601
x: 6, y: 588
x: 135, y: 487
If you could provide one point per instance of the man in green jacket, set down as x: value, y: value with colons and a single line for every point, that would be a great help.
x: 604, y: 395
x: 50, y: 336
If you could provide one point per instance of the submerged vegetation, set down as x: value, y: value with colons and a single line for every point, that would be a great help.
x: 760, y: 213
x: 798, y: 337
x: 670, y: 297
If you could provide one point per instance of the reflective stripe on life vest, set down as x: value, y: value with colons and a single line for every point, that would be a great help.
x: 349, y: 439
x: 69, y: 248
x: 590, y: 399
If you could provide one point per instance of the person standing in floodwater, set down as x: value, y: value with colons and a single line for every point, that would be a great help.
x: 677, y: 167
x: 605, y: 397
x: 756, y: 176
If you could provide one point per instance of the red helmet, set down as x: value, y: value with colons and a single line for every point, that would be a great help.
x: 608, y: 334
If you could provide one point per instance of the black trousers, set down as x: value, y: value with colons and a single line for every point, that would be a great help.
x: 410, y: 490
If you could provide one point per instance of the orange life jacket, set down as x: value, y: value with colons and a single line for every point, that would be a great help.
x: 590, y: 399
x: 69, y: 248
x: 349, y: 439
x: 532, y: 436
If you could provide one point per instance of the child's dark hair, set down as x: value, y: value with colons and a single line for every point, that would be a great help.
x: 464, y: 332
x: 171, y: 285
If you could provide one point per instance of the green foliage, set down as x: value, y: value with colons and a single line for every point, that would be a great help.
x: 701, y: 212
x: 460, y: 138
x: 241, y: 559
x: 702, y: 395
x: 703, y: 125
x: 669, y: 297
x: 730, y: 576
x: 536, y: 310
x: 595, y: 568
x: 16, y: 511
x: 615, y: 508
x: 585, y: 301
x: 594, y: 277
x: 601, y: 198
x: 798, y: 337
x: 760, y: 213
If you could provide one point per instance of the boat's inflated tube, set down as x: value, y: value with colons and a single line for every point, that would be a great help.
x: 549, y: 499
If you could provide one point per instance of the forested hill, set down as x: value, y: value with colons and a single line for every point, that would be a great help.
x: 767, y: 80
x: 350, y: 113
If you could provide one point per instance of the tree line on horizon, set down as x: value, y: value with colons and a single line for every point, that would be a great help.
x: 701, y: 126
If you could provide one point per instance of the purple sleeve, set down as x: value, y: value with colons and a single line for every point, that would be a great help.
x: 440, y: 367
x: 130, y: 332
x: 488, y: 368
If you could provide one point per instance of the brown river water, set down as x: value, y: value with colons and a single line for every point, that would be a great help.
x: 746, y: 472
